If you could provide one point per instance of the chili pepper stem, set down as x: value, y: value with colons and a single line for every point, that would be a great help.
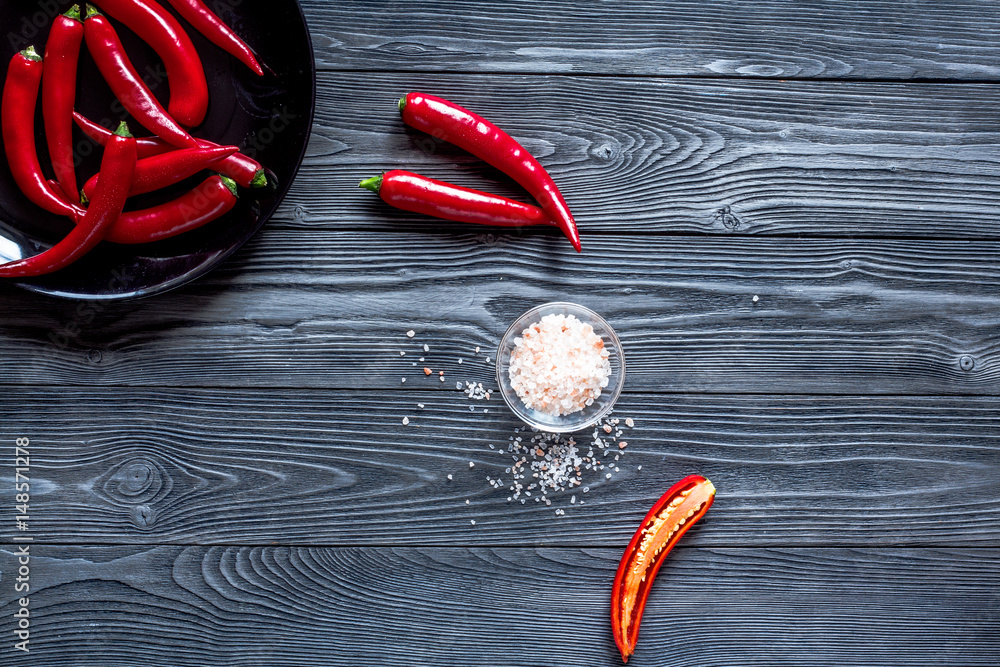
x: 31, y: 54
x: 259, y: 179
x: 73, y: 13
x: 92, y: 11
x: 229, y: 183
x: 374, y: 184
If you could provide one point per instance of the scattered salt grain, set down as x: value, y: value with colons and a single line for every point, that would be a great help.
x: 639, y: 468
x: 420, y: 405
x: 406, y: 420
x: 477, y: 349
x: 441, y: 378
x: 459, y: 361
x: 403, y: 380
x: 426, y: 348
x: 411, y: 333
x: 756, y: 298
x: 630, y: 422
x: 427, y: 371
x: 473, y: 522
x: 458, y: 385
x: 559, y: 365
x: 472, y: 464
x: 402, y: 354
x: 450, y: 478
x: 607, y: 428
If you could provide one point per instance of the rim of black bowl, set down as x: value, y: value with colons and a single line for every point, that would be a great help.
x: 222, y: 256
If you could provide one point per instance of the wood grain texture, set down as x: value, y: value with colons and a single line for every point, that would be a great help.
x: 114, y: 606
x: 776, y: 39
x: 657, y: 155
x: 330, y: 309
x: 306, y: 467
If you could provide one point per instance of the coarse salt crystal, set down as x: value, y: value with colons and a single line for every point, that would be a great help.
x: 411, y: 333
x: 450, y: 478
x: 472, y: 464
x: 630, y: 422
x: 406, y: 420
x: 427, y: 371
x: 426, y: 348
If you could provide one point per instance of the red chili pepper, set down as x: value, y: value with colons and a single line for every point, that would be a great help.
x: 450, y: 122
x: 62, y: 51
x: 17, y: 117
x: 160, y: 171
x: 211, y: 26
x: 213, y: 198
x: 419, y: 194
x: 246, y: 171
x: 185, y: 74
x: 125, y: 82
x: 118, y: 164
x: 672, y: 515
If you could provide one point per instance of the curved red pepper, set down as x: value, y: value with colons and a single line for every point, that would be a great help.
x: 450, y: 122
x: 211, y: 26
x: 185, y: 73
x: 62, y: 51
x: 419, y: 194
x: 17, y: 118
x: 213, y: 198
x: 672, y: 515
x: 125, y: 82
x: 160, y: 171
x: 118, y: 163
x: 246, y: 171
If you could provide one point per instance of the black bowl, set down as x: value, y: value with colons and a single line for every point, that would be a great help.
x: 269, y: 117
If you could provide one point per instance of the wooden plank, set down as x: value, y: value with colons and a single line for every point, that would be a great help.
x: 112, y: 606
x: 329, y: 309
x: 777, y: 39
x: 703, y: 157
x: 291, y: 467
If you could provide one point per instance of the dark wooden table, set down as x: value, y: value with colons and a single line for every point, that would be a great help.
x: 220, y: 475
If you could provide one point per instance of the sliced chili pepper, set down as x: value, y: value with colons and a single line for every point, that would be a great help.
x: 206, y: 202
x: 672, y: 515
x: 185, y: 74
x: 17, y: 117
x: 62, y: 51
x: 246, y: 171
x: 118, y: 165
x: 125, y: 82
x: 419, y: 194
x: 160, y: 171
x: 211, y: 26
x: 450, y: 122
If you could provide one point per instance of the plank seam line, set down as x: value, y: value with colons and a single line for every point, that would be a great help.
x: 666, y: 77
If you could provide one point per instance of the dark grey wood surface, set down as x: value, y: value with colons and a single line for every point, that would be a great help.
x: 221, y: 476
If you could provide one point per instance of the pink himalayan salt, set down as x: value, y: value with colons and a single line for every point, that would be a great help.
x: 559, y: 365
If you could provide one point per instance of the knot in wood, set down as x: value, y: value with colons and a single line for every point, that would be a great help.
x: 966, y: 363
x: 728, y: 219
x: 134, y: 481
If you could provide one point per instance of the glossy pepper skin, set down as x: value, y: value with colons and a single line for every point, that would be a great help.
x: 118, y: 164
x: 17, y: 118
x: 159, y: 171
x: 246, y: 171
x: 673, y: 514
x: 208, y: 201
x: 419, y: 194
x: 62, y: 52
x: 211, y: 26
x: 185, y: 73
x: 450, y: 122
x: 125, y: 82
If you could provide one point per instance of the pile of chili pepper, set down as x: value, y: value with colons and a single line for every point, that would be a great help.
x: 469, y: 131
x: 129, y: 166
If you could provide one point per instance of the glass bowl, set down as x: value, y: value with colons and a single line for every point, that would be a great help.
x: 589, y: 415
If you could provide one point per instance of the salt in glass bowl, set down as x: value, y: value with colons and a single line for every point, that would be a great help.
x: 590, y: 414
